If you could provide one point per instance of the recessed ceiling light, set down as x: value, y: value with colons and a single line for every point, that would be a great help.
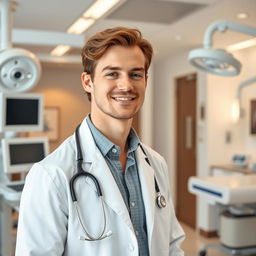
x: 178, y: 37
x: 99, y: 8
x: 60, y: 50
x: 80, y: 26
x: 242, y: 15
x: 242, y: 45
x: 89, y: 17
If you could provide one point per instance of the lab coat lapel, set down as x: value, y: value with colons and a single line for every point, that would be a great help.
x: 146, y: 174
x: 100, y: 169
x: 110, y: 190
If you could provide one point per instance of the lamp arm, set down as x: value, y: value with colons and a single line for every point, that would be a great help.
x: 244, y: 84
x: 222, y: 26
x: 6, y: 10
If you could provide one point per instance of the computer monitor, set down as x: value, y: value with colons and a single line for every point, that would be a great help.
x: 21, y: 112
x: 19, y: 154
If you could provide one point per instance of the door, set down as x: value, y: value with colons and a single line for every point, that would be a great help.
x: 186, y: 147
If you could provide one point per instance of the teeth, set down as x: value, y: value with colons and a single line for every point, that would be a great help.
x: 123, y: 98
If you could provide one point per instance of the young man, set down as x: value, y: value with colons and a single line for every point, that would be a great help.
x: 118, y: 203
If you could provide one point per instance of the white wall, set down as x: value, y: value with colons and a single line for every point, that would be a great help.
x: 62, y: 88
x: 221, y: 93
x: 242, y: 131
x: 146, y: 116
x: 166, y: 70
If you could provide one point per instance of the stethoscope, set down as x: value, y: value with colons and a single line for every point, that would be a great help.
x: 80, y: 172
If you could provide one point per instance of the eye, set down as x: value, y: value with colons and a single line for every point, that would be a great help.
x: 112, y: 75
x: 137, y: 76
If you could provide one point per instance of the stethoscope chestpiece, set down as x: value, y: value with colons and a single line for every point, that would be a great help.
x: 160, y: 201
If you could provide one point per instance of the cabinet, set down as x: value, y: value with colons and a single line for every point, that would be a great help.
x: 229, y: 169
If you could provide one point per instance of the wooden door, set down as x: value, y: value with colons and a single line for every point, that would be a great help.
x: 186, y: 147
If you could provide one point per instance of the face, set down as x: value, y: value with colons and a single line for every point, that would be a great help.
x: 119, y: 84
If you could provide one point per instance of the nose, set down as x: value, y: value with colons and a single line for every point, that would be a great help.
x: 124, y: 84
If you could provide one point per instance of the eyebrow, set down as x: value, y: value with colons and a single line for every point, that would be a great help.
x: 118, y: 68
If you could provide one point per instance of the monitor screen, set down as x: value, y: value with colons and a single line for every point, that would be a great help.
x: 19, y: 154
x: 21, y: 112
x: 17, y: 187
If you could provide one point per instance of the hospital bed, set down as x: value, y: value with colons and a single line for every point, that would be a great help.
x: 238, y: 223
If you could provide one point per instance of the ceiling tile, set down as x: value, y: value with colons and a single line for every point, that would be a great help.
x: 154, y: 11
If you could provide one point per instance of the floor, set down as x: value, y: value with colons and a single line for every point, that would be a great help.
x: 194, y: 243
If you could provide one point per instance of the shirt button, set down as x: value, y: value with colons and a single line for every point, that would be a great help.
x: 132, y: 204
x: 114, y: 150
x: 137, y: 233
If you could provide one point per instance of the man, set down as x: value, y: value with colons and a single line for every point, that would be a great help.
x: 126, y: 219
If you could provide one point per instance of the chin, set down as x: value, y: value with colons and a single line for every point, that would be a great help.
x: 124, y: 116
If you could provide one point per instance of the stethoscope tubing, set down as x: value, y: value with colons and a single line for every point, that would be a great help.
x: 75, y: 178
x: 80, y: 171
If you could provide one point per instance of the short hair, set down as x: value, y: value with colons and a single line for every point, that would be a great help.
x: 97, y: 45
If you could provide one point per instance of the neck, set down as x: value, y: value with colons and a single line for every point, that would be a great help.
x: 116, y: 130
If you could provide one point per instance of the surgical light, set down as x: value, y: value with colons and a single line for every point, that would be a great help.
x: 218, y: 61
x: 20, y: 69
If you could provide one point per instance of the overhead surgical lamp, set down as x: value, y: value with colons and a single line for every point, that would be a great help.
x: 218, y: 61
x: 236, y: 106
x: 20, y: 69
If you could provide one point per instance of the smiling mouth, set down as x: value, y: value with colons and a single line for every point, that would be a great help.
x: 123, y: 98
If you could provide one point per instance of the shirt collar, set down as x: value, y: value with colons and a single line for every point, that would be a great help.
x: 133, y: 141
x: 105, y: 145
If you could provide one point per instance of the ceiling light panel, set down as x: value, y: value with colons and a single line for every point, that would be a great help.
x: 80, y: 25
x: 99, y: 8
x: 60, y: 50
x: 242, y: 15
x: 242, y: 45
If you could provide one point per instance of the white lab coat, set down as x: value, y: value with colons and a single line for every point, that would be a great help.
x: 48, y: 224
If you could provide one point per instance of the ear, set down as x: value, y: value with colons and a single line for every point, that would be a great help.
x: 87, y: 82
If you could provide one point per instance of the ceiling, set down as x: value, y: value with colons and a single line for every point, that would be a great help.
x: 171, y: 26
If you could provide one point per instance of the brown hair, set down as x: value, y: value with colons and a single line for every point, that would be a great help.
x: 97, y: 46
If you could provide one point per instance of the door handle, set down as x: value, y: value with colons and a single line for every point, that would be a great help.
x: 188, y: 132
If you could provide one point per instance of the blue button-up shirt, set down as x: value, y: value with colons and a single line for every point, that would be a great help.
x: 127, y: 181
